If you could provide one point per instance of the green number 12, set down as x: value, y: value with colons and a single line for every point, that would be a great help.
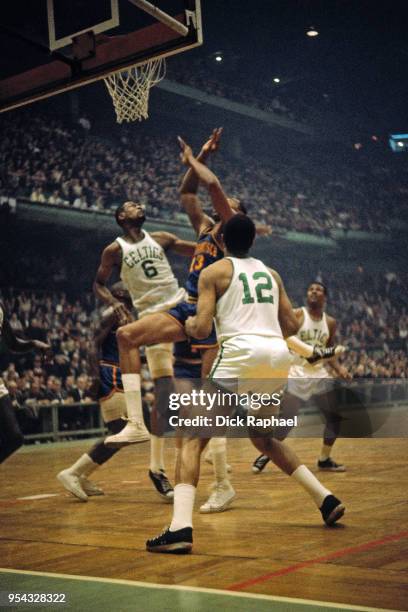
x: 260, y: 287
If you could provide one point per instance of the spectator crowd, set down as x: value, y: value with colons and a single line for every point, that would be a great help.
x: 52, y: 163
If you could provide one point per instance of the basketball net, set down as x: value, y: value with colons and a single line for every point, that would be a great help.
x: 130, y: 89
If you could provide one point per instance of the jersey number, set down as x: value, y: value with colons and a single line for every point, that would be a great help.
x: 149, y: 270
x: 265, y: 285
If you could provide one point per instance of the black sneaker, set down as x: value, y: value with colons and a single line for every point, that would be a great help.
x: 259, y: 463
x: 176, y: 542
x: 328, y: 465
x: 162, y: 485
x: 332, y: 510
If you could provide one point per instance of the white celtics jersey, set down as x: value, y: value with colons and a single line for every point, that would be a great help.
x: 250, y: 305
x: 3, y: 390
x: 148, y: 276
x: 314, y: 333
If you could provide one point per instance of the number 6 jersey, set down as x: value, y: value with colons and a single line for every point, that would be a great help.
x: 250, y: 305
x: 148, y: 276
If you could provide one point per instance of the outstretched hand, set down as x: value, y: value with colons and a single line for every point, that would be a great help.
x: 186, y: 151
x: 212, y: 143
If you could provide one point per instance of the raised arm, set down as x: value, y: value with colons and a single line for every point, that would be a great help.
x: 111, y: 258
x: 210, y: 181
x: 189, y: 186
x: 171, y: 242
x: 200, y: 326
x: 287, y: 318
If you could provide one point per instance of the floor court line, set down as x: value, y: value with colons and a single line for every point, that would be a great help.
x: 334, y: 555
x: 290, y: 603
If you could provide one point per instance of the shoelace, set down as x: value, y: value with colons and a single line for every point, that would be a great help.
x: 166, y: 486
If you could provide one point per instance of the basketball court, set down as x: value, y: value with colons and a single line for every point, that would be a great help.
x: 271, y: 550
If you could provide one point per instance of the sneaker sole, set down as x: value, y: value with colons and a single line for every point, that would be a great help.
x: 68, y: 488
x: 335, y: 515
x: 178, y: 548
x: 212, y: 510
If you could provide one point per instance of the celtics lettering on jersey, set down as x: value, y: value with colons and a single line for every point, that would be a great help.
x: 148, y: 276
x: 315, y: 333
x: 146, y: 256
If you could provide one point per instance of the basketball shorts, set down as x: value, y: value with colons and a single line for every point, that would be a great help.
x: 181, y: 312
x: 304, y: 383
x: 260, y: 360
x: 110, y: 378
x: 187, y: 370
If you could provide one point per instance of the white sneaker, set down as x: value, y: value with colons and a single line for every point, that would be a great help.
x: 72, y: 484
x: 90, y: 487
x: 220, y: 498
x: 134, y: 432
x: 208, y: 459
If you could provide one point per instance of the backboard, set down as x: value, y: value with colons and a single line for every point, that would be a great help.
x: 50, y: 46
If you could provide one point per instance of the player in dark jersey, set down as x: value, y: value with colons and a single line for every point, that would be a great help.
x: 11, y: 437
x: 112, y: 401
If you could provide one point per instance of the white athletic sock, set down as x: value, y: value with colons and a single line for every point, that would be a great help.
x: 325, y: 452
x: 156, y: 453
x: 133, y: 397
x: 310, y: 483
x: 184, y: 495
x: 218, y: 447
x: 84, y: 466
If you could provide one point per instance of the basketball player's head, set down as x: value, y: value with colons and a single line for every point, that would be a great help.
x: 120, y: 293
x: 239, y: 235
x: 130, y: 215
x: 316, y: 295
x: 236, y: 205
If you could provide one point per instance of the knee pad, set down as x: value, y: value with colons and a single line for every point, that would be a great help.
x: 160, y: 360
x: 114, y: 407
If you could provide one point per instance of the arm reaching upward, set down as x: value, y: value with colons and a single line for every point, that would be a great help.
x: 189, y: 186
x: 210, y: 180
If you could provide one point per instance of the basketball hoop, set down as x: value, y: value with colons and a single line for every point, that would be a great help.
x: 130, y: 89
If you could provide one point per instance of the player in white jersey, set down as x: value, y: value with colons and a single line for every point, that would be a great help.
x: 306, y: 380
x: 141, y: 260
x: 253, y: 316
x: 11, y: 437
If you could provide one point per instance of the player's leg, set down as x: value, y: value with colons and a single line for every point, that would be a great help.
x: 160, y: 362
x: 286, y: 459
x: 327, y: 404
x: 75, y: 478
x: 11, y: 437
x: 222, y: 492
x: 289, y: 408
x: 178, y: 538
x: 152, y: 329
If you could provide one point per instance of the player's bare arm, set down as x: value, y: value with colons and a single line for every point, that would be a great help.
x: 209, y: 180
x: 189, y: 187
x: 171, y: 242
x: 18, y: 345
x: 111, y: 259
x: 213, y: 283
x: 288, y: 320
x: 339, y: 369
